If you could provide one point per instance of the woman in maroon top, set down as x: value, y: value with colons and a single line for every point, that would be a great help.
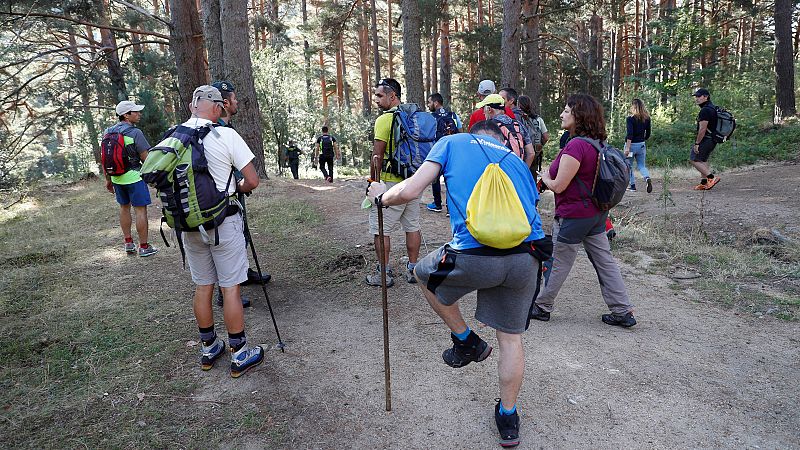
x: 578, y: 222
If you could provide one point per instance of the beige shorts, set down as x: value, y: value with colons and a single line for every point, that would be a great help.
x: 406, y: 215
x: 225, y: 263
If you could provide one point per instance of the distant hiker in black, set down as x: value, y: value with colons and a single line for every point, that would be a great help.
x: 230, y: 107
x: 292, y: 154
x: 323, y: 153
x: 704, y: 141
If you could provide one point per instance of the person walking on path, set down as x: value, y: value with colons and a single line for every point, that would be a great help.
x: 447, y: 123
x: 536, y: 128
x: 227, y: 262
x: 129, y: 188
x: 704, y: 141
x: 387, y: 99
x: 486, y: 87
x: 494, y: 110
x: 323, y: 154
x: 505, y: 280
x: 230, y: 106
x: 292, y: 154
x: 638, y: 131
x: 577, y: 221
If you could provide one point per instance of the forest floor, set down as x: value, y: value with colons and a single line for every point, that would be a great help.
x: 101, y: 349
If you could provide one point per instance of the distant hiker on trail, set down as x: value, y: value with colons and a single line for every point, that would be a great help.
x: 486, y: 87
x: 230, y: 107
x: 448, y: 123
x: 124, y: 148
x: 292, y: 154
x: 505, y: 280
x: 323, y: 154
x: 536, y: 128
x: 387, y: 98
x: 704, y: 141
x: 638, y: 131
x: 577, y: 221
x: 227, y: 262
x: 516, y: 135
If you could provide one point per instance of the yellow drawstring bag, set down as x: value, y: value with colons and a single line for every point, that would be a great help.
x: 495, y: 216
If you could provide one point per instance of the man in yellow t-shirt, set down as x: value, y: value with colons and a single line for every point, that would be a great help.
x: 387, y: 98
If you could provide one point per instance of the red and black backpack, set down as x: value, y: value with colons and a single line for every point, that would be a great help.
x: 512, y: 134
x: 115, y: 156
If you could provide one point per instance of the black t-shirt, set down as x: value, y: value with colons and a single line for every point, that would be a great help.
x: 637, y: 130
x: 707, y: 113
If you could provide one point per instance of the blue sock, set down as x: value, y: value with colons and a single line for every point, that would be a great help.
x: 507, y: 412
x: 463, y: 335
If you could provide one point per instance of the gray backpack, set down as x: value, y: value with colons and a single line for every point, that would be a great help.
x: 612, y: 176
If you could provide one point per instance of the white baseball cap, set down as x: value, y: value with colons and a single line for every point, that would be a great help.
x: 486, y: 87
x: 126, y: 106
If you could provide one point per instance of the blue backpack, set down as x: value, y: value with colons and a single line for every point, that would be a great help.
x: 413, y: 133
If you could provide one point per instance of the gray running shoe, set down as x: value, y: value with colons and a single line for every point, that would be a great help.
x: 149, y: 251
x: 130, y: 247
x: 209, y: 354
x: 410, y: 275
x: 374, y: 279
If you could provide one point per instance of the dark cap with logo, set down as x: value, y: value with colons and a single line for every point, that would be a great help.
x: 701, y: 92
x: 224, y: 86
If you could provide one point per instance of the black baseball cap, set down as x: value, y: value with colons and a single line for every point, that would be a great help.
x: 701, y: 92
x: 224, y: 85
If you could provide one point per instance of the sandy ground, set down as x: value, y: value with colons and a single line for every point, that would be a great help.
x: 691, y: 374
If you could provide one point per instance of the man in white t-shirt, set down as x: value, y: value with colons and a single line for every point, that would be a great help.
x: 225, y: 263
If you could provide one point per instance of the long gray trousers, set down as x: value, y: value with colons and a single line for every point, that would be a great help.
x: 598, y: 250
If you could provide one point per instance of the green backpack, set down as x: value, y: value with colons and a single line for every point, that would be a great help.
x: 178, y: 169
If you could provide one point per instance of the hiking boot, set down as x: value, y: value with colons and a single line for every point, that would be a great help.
x: 434, y: 208
x: 209, y: 354
x: 632, y: 187
x: 463, y: 353
x: 149, y: 251
x: 508, y: 426
x: 130, y: 248
x: 711, y: 183
x: 538, y: 313
x: 245, y: 359
x: 254, y: 278
x: 410, y: 277
x: 649, y: 185
x: 374, y: 279
x: 221, y: 299
x: 626, y: 321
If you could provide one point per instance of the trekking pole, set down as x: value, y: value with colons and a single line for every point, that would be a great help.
x: 384, y: 294
x: 281, y: 345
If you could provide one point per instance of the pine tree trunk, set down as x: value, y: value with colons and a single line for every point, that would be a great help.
x: 376, y: 54
x: 595, y: 56
x: 83, y: 89
x: 117, y: 77
x: 784, y: 61
x: 445, y: 68
x: 434, y: 61
x: 339, y: 74
x: 389, y: 45
x: 363, y: 47
x: 509, y: 49
x: 323, y: 83
x: 531, y: 56
x: 186, y: 43
x: 412, y: 52
x: 213, y: 38
x: 306, y: 55
x: 239, y: 67
x: 345, y: 84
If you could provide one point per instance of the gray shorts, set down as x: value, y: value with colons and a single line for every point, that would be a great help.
x: 225, y: 263
x: 505, y: 284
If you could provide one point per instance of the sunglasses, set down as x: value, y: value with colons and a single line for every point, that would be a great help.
x: 385, y: 83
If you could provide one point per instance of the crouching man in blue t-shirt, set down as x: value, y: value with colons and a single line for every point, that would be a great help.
x: 506, y: 280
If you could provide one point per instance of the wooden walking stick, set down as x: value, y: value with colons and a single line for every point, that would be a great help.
x: 384, y: 294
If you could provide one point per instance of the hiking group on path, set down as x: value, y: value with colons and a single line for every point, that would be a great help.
x: 203, y: 169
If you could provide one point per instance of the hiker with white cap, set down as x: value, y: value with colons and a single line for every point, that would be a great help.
x: 485, y: 87
x: 123, y: 150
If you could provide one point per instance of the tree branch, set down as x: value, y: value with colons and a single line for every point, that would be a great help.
x: 141, y: 10
x: 83, y: 22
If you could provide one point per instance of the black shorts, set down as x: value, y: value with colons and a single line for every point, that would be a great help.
x: 703, y: 150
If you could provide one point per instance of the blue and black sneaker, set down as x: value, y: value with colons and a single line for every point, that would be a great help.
x: 210, y: 353
x: 508, y: 426
x: 245, y: 358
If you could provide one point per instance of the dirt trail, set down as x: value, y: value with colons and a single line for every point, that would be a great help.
x: 690, y: 375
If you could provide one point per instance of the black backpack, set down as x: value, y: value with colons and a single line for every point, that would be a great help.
x: 326, y: 144
x: 445, y: 124
x: 611, y: 178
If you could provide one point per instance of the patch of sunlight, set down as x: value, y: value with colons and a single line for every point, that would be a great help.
x: 111, y: 255
x: 19, y: 209
x: 318, y: 188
